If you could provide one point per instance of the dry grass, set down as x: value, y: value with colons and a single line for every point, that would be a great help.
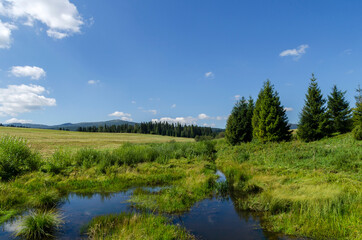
x: 47, y: 141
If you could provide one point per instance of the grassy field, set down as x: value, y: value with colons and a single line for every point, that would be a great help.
x: 33, y: 182
x: 305, y: 189
x: 47, y: 141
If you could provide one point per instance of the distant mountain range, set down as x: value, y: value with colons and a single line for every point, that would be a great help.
x: 75, y: 126
x: 72, y: 126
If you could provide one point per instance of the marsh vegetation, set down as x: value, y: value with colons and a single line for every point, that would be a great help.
x: 303, y: 189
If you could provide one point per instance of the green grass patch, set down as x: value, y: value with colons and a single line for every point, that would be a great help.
x: 135, y: 226
x: 39, y: 225
x: 306, y: 189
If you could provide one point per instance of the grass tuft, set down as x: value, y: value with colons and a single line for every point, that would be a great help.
x: 39, y: 225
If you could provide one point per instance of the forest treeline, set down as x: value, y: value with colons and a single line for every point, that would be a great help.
x: 157, y: 128
x: 266, y: 119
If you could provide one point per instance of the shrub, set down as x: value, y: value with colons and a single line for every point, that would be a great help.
x: 16, y: 157
x: 132, y: 154
x: 87, y: 157
x: 59, y: 161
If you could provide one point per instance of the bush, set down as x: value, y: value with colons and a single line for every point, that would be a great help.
x: 16, y: 158
x: 357, y: 132
x: 87, y: 157
x: 59, y: 161
x: 132, y: 154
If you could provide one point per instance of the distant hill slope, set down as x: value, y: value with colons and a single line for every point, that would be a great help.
x: 72, y: 126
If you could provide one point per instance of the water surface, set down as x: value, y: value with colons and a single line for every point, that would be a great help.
x: 214, y: 218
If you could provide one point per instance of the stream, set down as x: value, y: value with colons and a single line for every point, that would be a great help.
x: 213, y: 218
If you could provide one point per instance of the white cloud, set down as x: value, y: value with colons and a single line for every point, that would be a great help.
x: 56, y: 34
x: 181, y: 120
x: 5, y: 34
x: 28, y: 71
x: 350, y: 71
x: 173, y: 105
x: 126, y: 119
x: 219, y: 118
x: 133, y: 102
x: 210, y: 75
x: 119, y: 114
x: 123, y: 116
x: 237, y: 97
x: 15, y: 120
x: 93, y: 82
x: 17, y: 99
x: 60, y: 16
x: 288, y: 109
x: 203, y: 116
x: 295, y: 52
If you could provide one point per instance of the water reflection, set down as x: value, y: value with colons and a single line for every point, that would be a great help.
x: 214, y: 218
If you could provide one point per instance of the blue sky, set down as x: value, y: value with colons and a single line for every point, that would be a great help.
x: 187, y: 61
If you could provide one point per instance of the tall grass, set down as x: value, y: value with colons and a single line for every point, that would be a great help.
x: 39, y: 225
x: 16, y: 157
x: 128, y: 154
x: 309, y: 189
x: 135, y: 226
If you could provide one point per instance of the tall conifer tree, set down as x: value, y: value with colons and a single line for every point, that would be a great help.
x: 239, y: 128
x: 314, y: 123
x: 339, y: 111
x: 270, y: 123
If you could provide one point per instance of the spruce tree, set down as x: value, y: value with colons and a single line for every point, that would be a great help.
x: 238, y: 127
x: 357, y: 115
x: 270, y: 122
x: 339, y: 111
x: 314, y: 123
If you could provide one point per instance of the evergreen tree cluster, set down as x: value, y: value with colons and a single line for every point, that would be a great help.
x: 157, y: 128
x: 266, y: 121
x: 321, y: 118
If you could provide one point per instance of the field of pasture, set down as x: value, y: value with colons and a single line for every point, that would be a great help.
x: 47, y: 141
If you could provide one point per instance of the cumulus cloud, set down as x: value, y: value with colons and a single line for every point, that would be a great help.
x: 203, y: 116
x: 288, y: 109
x: 181, y: 120
x: 173, y: 105
x: 123, y: 116
x: 15, y: 120
x: 28, y: 71
x: 210, y: 75
x: 295, y: 52
x: 219, y: 118
x: 5, y: 34
x: 17, y: 99
x: 60, y: 16
x: 93, y: 82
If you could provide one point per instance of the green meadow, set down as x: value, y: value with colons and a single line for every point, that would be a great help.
x: 303, y: 189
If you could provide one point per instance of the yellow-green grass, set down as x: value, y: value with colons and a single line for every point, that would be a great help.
x: 135, y: 226
x: 47, y: 141
x: 306, y: 189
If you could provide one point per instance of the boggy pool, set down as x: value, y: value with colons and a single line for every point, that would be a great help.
x: 213, y: 218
